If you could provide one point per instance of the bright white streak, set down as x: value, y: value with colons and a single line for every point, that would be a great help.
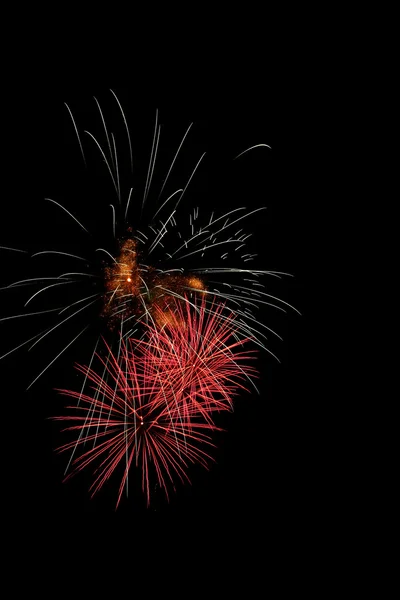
x: 190, y: 179
x: 105, y: 159
x: 126, y: 127
x: 251, y: 148
x: 56, y: 252
x: 61, y: 322
x: 68, y: 213
x: 172, y: 164
x: 46, y: 288
x: 54, y: 359
x: 12, y: 249
x: 76, y: 131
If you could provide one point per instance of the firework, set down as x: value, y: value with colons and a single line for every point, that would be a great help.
x: 142, y: 267
x: 172, y: 294
x: 155, y: 410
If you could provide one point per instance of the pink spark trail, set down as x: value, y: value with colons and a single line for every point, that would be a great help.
x: 153, y: 404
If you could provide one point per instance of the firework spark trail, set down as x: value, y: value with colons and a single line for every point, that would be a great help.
x: 203, y: 340
x: 157, y: 404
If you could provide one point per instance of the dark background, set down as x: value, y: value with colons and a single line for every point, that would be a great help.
x: 264, y: 484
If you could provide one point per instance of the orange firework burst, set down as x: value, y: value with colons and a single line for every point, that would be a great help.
x: 135, y: 289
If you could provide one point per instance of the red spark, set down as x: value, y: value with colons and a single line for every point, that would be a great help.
x: 153, y: 405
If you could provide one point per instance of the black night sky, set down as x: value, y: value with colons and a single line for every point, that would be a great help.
x: 263, y: 480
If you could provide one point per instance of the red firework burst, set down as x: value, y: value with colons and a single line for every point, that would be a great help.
x: 153, y: 404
